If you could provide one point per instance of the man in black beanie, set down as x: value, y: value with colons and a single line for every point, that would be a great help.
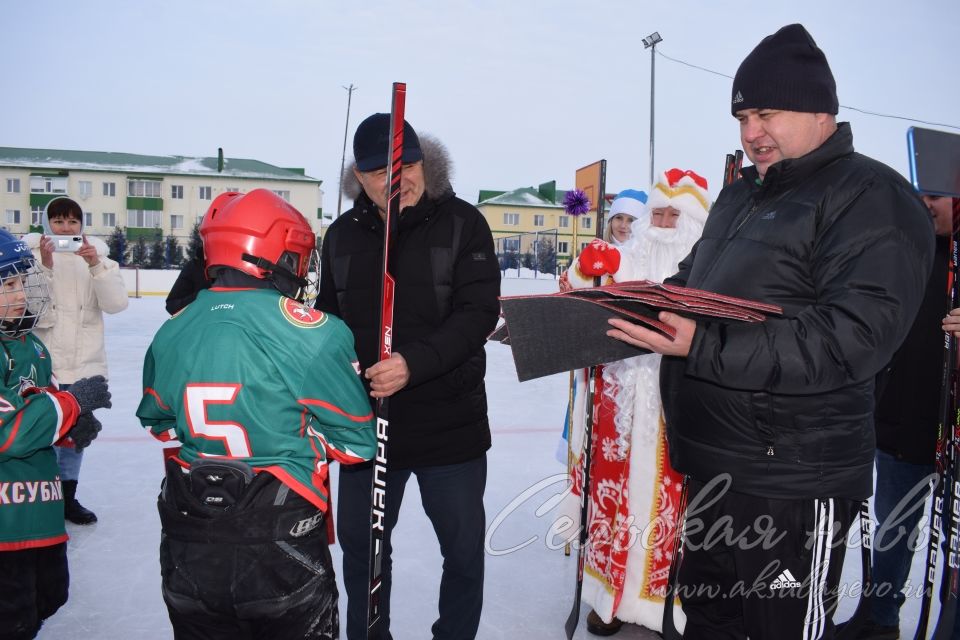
x: 773, y: 421
x: 447, y: 284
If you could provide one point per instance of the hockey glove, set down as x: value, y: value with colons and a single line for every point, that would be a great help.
x: 84, y: 431
x: 91, y: 393
x: 598, y: 259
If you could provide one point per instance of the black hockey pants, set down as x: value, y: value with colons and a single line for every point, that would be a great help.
x: 33, y: 585
x: 259, y: 569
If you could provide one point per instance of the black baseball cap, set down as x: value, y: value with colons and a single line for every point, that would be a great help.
x: 371, y: 143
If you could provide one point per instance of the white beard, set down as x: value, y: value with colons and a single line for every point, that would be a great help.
x: 653, y: 253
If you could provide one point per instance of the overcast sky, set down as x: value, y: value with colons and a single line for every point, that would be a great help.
x: 520, y: 92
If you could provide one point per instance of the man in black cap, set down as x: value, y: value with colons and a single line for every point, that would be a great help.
x: 447, y: 284
x: 773, y: 421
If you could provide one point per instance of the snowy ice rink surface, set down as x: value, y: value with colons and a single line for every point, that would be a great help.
x: 115, y: 575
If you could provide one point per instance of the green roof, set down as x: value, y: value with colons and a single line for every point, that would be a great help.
x: 524, y: 197
x: 131, y: 163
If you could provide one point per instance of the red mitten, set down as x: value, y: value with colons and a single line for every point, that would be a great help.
x: 599, y: 258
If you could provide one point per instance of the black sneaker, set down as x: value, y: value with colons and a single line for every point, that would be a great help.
x: 598, y: 627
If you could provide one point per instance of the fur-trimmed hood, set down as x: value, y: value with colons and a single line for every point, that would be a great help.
x: 437, y: 169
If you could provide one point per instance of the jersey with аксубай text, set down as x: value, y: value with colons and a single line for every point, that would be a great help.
x: 33, y: 416
x: 253, y: 375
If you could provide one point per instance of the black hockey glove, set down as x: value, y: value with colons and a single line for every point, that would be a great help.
x: 91, y: 393
x: 84, y: 431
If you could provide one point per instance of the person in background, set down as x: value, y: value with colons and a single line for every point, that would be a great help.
x: 447, y: 284
x: 631, y: 477
x: 773, y: 421
x: 907, y: 421
x: 261, y: 392
x: 85, y: 284
x: 190, y: 281
x: 34, y: 415
x: 623, y: 212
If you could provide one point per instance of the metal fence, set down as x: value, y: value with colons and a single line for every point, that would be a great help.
x: 536, y: 251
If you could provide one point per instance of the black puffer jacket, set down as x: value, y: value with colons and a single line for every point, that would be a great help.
x: 785, y: 406
x: 908, y: 407
x: 447, y: 284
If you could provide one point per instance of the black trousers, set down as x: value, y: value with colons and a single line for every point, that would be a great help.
x: 261, y: 570
x: 452, y: 497
x: 761, y: 568
x: 33, y: 585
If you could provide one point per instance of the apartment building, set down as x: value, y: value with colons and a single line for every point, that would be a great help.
x: 139, y: 193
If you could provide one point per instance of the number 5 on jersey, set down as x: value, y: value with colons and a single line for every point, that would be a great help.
x: 232, y: 434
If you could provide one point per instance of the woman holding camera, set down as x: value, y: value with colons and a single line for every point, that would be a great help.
x: 84, y: 283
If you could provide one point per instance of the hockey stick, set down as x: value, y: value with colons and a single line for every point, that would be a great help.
x: 731, y: 168
x: 950, y: 580
x: 945, y: 461
x: 862, y: 613
x: 592, y: 373
x: 570, y: 399
x: 379, y: 488
x: 574, y: 617
x: 728, y: 169
x: 668, y: 625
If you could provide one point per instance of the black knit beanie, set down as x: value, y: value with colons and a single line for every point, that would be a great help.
x: 785, y: 71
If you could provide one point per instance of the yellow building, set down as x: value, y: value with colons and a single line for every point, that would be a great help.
x: 522, y: 218
x: 138, y: 193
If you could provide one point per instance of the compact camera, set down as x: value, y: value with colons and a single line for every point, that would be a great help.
x: 67, y: 244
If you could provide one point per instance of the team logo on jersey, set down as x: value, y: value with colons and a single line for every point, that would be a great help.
x: 300, y: 315
x: 28, y: 382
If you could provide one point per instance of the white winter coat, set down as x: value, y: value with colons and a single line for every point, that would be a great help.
x: 72, y: 326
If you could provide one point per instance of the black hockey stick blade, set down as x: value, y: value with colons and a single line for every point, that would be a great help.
x: 574, y: 617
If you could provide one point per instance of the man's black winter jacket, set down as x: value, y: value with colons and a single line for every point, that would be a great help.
x: 908, y: 407
x: 785, y: 406
x: 447, y: 285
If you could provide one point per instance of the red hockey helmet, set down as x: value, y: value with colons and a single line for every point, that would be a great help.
x: 258, y: 233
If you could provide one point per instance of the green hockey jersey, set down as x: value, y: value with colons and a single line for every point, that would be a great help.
x: 252, y: 375
x: 33, y: 416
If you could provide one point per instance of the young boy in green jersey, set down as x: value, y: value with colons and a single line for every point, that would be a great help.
x: 34, y: 415
x: 261, y: 392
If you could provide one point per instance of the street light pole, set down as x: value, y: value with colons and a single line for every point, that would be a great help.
x: 343, y: 158
x: 650, y: 42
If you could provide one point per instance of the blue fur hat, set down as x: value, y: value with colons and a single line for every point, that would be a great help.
x: 630, y: 202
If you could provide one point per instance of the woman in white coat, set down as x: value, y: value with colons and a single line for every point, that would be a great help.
x: 84, y: 283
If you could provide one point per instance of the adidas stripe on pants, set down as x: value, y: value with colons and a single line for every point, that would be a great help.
x: 761, y: 568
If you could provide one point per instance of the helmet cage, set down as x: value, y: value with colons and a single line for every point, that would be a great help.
x: 24, y: 292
